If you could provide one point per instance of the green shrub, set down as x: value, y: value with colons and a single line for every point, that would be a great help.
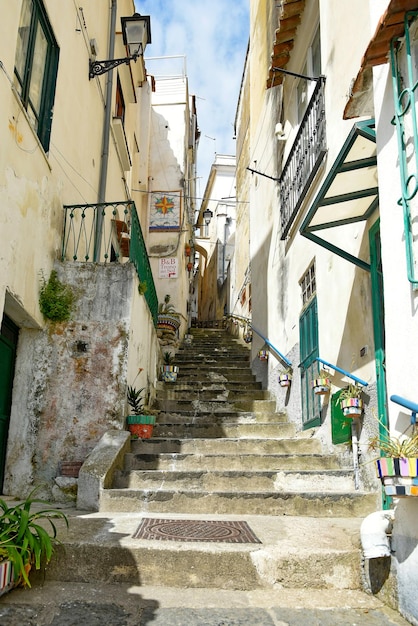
x: 55, y: 299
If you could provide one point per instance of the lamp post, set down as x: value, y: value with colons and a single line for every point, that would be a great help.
x: 136, y: 32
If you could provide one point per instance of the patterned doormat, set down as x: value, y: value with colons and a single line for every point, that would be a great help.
x: 195, y: 530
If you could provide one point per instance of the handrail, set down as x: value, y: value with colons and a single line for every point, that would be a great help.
x: 270, y: 345
x: 266, y: 341
x: 407, y: 404
x: 339, y: 369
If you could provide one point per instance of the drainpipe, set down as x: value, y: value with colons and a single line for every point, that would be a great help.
x: 374, y: 534
x: 106, y: 136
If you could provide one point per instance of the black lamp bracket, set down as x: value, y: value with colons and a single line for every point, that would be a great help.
x: 96, y: 68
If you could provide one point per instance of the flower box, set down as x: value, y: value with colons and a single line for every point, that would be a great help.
x: 399, y: 476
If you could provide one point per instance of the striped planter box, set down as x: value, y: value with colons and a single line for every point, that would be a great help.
x: 169, y: 373
x: 399, y: 476
x: 7, y: 581
x: 321, y: 386
x: 352, y: 407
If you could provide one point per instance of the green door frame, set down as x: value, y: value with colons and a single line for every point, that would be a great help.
x: 378, y: 309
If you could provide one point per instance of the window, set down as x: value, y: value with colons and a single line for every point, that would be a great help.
x: 120, y: 102
x: 36, y: 65
x: 308, y: 284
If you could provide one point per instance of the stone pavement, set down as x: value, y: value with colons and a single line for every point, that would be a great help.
x: 77, y: 604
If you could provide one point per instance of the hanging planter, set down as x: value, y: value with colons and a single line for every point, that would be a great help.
x: 352, y: 407
x: 263, y: 355
x: 350, y: 401
x: 285, y: 379
x: 188, y: 339
x: 141, y: 425
x: 321, y: 386
x: 248, y: 336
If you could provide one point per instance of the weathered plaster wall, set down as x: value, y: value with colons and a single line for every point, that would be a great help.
x: 70, y: 382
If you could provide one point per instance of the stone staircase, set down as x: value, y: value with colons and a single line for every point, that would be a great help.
x: 220, y: 452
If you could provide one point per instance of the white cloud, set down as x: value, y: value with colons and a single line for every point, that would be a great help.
x: 213, y: 35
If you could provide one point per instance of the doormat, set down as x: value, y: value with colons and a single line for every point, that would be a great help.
x: 195, y: 530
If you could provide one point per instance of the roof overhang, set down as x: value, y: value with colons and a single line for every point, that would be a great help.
x: 391, y: 26
x: 349, y: 193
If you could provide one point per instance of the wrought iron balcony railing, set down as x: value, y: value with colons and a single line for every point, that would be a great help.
x: 308, y: 150
x: 109, y: 231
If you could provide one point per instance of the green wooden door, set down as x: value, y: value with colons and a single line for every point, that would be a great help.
x: 8, y: 342
x: 309, y: 367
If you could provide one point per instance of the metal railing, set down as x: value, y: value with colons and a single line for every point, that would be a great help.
x: 120, y: 235
x: 407, y: 404
x: 308, y: 150
x: 268, y: 343
x: 344, y: 372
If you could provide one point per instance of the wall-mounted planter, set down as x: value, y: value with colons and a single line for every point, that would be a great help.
x: 285, y: 380
x: 169, y: 373
x: 263, y: 355
x: 352, y: 407
x: 321, y: 386
x: 141, y: 426
x: 167, y: 321
x: 399, y: 476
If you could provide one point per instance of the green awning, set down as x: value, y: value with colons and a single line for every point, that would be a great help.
x: 350, y: 191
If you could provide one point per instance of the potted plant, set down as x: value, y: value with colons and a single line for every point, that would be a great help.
x: 397, y: 468
x: 24, y: 542
x: 285, y: 378
x: 321, y: 385
x: 139, y: 424
x: 351, y: 401
x: 167, y: 316
x: 168, y: 370
x: 263, y: 355
x: 188, y: 338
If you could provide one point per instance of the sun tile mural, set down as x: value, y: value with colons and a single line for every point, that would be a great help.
x: 165, y: 210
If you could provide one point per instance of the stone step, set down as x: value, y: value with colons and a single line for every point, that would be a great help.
x: 248, y: 481
x: 230, y: 374
x: 215, y: 386
x: 295, y: 445
x: 100, y: 547
x: 216, y: 462
x: 221, y: 417
x: 191, y: 430
x: 201, y: 501
x: 214, y: 406
x: 212, y: 393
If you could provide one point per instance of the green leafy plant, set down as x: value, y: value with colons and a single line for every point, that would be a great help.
x: 351, y: 391
x: 166, y: 306
x: 142, y: 287
x: 168, y: 358
x: 23, y: 540
x: 135, y: 400
x: 401, y: 447
x: 56, y: 300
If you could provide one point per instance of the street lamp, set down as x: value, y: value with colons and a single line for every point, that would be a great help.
x: 207, y: 216
x: 136, y: 32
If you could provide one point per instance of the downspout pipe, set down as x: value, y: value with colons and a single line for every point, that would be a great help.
x: 106, y: 136
x: 374, y: 534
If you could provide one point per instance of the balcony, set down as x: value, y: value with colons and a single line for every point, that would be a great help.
x: 305, y: 157
x: 109, y: 232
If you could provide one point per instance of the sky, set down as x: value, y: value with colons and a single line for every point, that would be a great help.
x: 213, y: 37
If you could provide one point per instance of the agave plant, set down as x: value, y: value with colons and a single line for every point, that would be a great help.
x: 134, y: 397
x: 25, y: 542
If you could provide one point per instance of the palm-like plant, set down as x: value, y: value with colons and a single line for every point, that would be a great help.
x: 23, y: 541
x: 134, y: 397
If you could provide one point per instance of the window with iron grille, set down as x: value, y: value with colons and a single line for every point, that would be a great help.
x: 36, y: 65
x: 308, y: 284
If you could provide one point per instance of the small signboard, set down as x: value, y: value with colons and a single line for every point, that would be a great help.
x: 168, y: 268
